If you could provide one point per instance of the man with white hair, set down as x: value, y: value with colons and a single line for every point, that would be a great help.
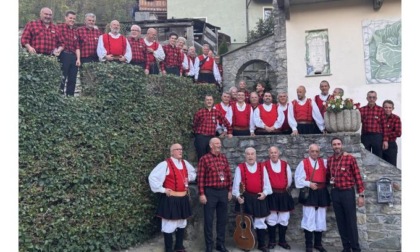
x: 170, y: 178
x: 257, y: 185
x: 206, y: 68
x: 280, y: 201
x: 138, y: 47
x: 88, y: 39
x: 155, y: 51
x: 113, y: 46
x: 312, y: 172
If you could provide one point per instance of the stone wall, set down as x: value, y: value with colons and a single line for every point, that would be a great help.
x: 379, y: 224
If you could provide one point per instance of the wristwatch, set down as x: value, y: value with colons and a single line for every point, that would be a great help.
x: 361, y: 195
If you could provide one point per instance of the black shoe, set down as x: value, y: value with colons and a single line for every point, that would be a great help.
x: 346, y: 250
x: 221, y: 248
x: 209, y: 249
x: 309, y: 250
x: 271, y: 245
x: 320, y: 248
x: 264, y: 249
x: 284, y: 245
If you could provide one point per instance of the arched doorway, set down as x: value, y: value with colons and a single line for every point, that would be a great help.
x: 255, y: 71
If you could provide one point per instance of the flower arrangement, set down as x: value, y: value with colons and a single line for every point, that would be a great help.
x: 337, y: 104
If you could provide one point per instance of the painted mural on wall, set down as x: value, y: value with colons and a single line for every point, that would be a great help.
x: 382, y: 47
x: 317, y: 53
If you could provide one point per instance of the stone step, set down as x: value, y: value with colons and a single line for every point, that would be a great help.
x: 157, y: 245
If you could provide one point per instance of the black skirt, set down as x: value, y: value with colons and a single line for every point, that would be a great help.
x: 174, y: 208
x: 318, y: 198
x: 282, y: 202
x: 253, y: 206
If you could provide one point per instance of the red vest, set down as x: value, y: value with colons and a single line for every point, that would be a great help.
x: 268, y: 117
x: 150, y: 58
x: 285, y: 125
x: 219, y: 107
x: 241, y: 118
x: 277, y: 180
x: 254, y: 182
x: 302, y: 112
x: 208, y: 64
x: 175, y: 179
x: 320, y: 104
x: 114, y: 46
x: 319, y: 175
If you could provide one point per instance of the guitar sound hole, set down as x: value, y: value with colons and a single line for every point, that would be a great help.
x: 243, y: 225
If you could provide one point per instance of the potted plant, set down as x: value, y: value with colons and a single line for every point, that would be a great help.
x: 342, y: 115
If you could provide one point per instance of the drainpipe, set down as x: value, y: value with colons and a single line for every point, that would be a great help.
x: 247, y: 3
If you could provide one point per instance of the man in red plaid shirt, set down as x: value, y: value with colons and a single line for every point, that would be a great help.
x: 172, y: 64
x: 70, y: 56
x: 41, y: 36
x: 138, y: 48
x: 88, y: 39
x: 393, y: 130
x: 214, y: 182
x: 343, y: 174
x: 205, y: 123
x: 374, y: 137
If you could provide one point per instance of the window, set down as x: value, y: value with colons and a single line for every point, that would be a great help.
x: 267, y: 11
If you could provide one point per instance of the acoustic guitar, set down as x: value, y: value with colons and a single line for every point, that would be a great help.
x: 243, y: 236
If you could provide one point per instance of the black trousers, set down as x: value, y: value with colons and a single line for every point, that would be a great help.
x: 69, y: 71
x: 307, y: 128
x: 344, y: 204
x: 201, y: 144
x: 173, y: 70
x: 217, y: 201
x: 373, y: 143
x: 142, y: 64
x: 154, y: 68
x: 89, y: 59
x: 390, y: 154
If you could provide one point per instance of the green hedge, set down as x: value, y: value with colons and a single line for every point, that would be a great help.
x: 84, y: 161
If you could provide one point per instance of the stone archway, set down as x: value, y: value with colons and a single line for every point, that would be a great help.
x: 256, y: 71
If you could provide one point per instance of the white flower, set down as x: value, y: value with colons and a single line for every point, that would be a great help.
x: 329, y: 105
x: 337, y: 97
x: 341, y: 106
x: 333, y: 106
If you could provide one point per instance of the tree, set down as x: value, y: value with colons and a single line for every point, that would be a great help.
x: 263, y: 28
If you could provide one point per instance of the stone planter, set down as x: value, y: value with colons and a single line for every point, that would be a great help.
x: 344, y: 121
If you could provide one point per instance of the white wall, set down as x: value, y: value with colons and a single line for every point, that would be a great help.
x: 343, y: 19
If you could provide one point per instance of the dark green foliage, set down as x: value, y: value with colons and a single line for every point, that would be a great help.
x: 263, y: 28
x: 223, y: 48
x: 84, y: 161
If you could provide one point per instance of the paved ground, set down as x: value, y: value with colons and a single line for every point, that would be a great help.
x: 157, y: 245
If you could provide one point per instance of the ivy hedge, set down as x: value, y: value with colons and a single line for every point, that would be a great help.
x: 84, y: 161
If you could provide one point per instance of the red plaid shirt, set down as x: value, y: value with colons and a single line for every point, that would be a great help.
x: 43, y: 39
x: 205, y: 122
x: 345, y: 171
x: 173, y: 57
x: 69, y: 35
x: 373, y: 120
x: 138, y: 50
x: 88, y: 41
x: 209, y: 169
x: 393, y: 127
